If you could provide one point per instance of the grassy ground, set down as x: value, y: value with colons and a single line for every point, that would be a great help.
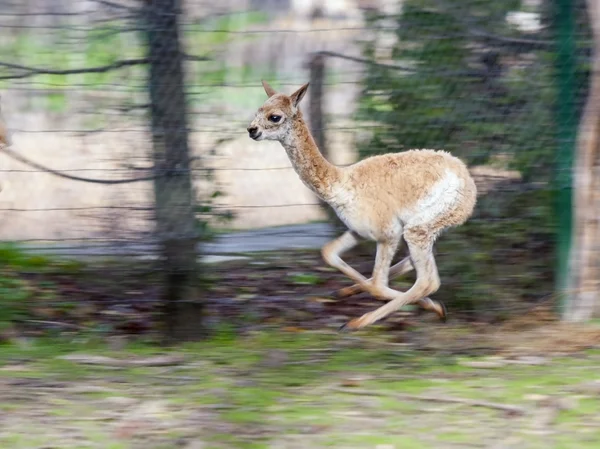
x: 278, y: 389
x: 78, y: 367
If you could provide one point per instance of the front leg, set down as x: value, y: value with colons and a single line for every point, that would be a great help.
x: 332, y: 252
x: 396, y: 270
x: 402, y: 267
x: 427, y: 283
x: 378, y: 285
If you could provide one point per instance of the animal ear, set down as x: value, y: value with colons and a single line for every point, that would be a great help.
x: 268, y: 89
x: 297, y: 96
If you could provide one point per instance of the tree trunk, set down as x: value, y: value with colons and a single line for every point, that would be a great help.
x: 584, y: 288
x: 175, y: 225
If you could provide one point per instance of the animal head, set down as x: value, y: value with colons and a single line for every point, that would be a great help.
x: 273, y: 120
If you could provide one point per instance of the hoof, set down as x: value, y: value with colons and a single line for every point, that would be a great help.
x: 352, y: 325
x: 436, y: 306
x: 336, y: 294
x: 343, y: 329
x: 444, y: 312
x: 344, y: 292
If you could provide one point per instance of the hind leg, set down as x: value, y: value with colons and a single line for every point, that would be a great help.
x: 396, y: 270
x: 382, y: 280
x: 420, y: 244
x: 402, y: 267
x: 378, y: 284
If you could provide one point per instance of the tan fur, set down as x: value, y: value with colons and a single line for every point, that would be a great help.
x: 411, y: 196
x: 392, y: 183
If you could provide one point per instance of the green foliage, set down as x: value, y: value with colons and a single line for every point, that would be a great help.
x: 209, y: 80
x: 15, y: 292
x: 12, y: 257
x: 305, y: 279
x: 504, y: 254
x: 458, y: 94
x: 18, y: 292
x: 209, y: 217
x: 104, y: 44
x: 488, y: 103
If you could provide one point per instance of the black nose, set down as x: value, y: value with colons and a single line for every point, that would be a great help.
x: 252, y: 130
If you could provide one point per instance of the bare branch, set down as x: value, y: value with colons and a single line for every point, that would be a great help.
x: 196, y: 57
x: 39, y: 14
x: 366, y: 61
x: 6, y: 150
x: 466, y: 73
x: 33, y: 71
x: 116, y: 5
x: 519, y: 43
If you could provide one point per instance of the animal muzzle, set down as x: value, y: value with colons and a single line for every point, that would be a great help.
x: 253, y: 132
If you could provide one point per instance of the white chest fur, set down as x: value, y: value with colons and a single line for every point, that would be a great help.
x: 347, y: 206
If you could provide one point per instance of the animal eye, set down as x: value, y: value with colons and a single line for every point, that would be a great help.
x: 274, y: 118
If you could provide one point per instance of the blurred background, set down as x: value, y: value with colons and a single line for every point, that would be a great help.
x: 134, y: 209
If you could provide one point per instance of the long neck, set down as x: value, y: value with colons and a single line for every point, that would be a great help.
x: 314, y: 170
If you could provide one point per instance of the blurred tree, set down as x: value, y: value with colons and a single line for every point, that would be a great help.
x: 584, y: 289
x: 174, y: 207
x: 459, y: 90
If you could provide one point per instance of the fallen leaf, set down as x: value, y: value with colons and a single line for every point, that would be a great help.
x: 528, y: 360
x: 245, y: 297
x: 483, y: 364
x: 195, y: 445
x: 322, y: 300
x: 84, y: 359
x: 147, y: 415
x: 293, y: 329
x: 120, y: 401
x: 19, y: 367
x: 275, y: 358
x: 161, y: 360
x: 590, y: 388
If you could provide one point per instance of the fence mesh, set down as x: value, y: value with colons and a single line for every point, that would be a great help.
x: 76, y: 99
x: 480, y: 79
x: 127, y: 122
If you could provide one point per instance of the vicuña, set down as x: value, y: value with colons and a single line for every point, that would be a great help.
x: 413, y: 195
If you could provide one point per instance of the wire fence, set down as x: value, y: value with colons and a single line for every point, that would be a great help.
x: 75, y: 96
x: 480, y: 79
x: 128, y: 136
